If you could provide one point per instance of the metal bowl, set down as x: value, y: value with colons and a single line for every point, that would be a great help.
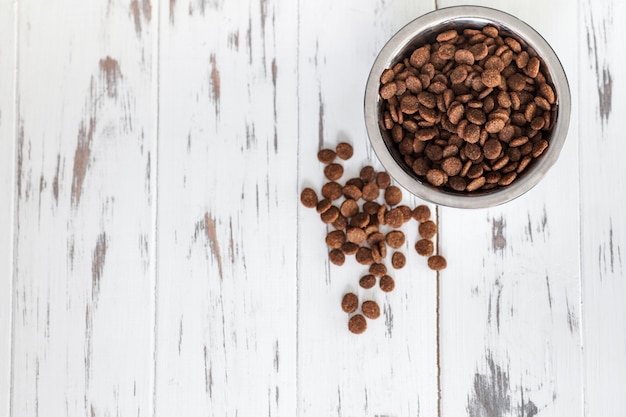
x: 425, y: 29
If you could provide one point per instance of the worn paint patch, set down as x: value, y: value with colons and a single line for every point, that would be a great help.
x: 20, y: 159
x: 498, y: 242
x: 211, y: 233
x: 172, y: 10
x: 97, y: 264
x: 492, y: 394
x: 110, y: 74
x: 215, y: 84
x: 81, y: 158
x: 140, y: 11
x: 320, y: 122
x: 55, y: 181
x: 595, y: 50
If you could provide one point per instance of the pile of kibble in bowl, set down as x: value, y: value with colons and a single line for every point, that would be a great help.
x: 470, y: 111
x: 366, y: 218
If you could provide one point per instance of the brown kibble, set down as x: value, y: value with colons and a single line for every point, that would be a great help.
x: 332, y: 190
x: 547, y: 92
x: 436, y: 177
x: 437, y: 262
x: 424, y: 247
x: 457, y: 183
x: 350, y: 302
x: 463, y: 56
x: 326, y: 156
x: 330, y: 215
x: 349, y: 208
x: 364, y: 256
x: 395, y: 238
x: 393, y: 195
x: 333, y: 171
x: 398, y: 260
x: 344, y: 150
x: 539, y: 147
x: 421, y: 213
x: 377, y: 269
x: 532, y: 69
x: 388, y: 90
x: 308, y: 197
x: 427, y: 229
x: 420, y: 56
x: 491, y: 78
x: 335, y: 239
x: 371, y: 207
x: 452, y: 166
x: 387, y: 76
x: 475, y: 184
x: 448, y: 35
x: 370, y: 191
x: 490, y: 31
x: 367, y: 281
x: 494, y: 125
x: 386, y: 283
x: 370, y: 309
x: 383, y: 180
x: 355, y: 235
x: 349, y: 248
x: 507, y: 179
x: 351, y: 191
x: 357, y: 324
x: 394, y: 218
x: 337, y: 257
x: 340, y: 222
x: 323, y: 205
x: 361, y: 219
x: 367, y: 174
x: 516, y: 82
x: 492, y: 149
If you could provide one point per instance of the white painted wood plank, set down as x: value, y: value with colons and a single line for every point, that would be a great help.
x: 83, y: 286
x: 510, y: 298
x: 226, y: 287
x: 602, y: 190
x: 7, y: 191
x: 391, y: 369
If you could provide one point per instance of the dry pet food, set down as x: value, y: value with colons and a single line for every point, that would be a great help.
x: 370, y: 309
x: 470, y: 111
x: 357, y: 324
x: 350, y: 302
x: 364, y: 215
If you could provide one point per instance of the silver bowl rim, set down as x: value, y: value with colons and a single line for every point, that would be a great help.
x: 440, y: 17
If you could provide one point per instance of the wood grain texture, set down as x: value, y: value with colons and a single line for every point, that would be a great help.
x: 603, y: 226
x: 8, y: 46
x: 226, y: 293
x: 510, y: 298
x: 84, y: 225
x: 391, y: 369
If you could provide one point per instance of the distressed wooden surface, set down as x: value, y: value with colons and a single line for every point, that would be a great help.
x: 155, y: 259
x: 7, y: 183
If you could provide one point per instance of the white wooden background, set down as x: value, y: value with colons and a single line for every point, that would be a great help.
x: 155, y: 259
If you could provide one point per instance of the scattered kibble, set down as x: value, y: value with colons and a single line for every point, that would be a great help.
x: 366, y: 216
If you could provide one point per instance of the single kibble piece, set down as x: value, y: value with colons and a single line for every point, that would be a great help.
x: 398, y: 260
x: 350, y: 302
x: 421, y: 213
x: 308, y: 197
x: 323, y: 205
x: 344, y: 150
x: 378, y: 270
x: 424, y: 247
x: 383, y: 180
x: 326, y: 156
x: 427, y: 229
x: 370, y: 309
x: 364, y: 256
x: 357, y: 324
x: 333, y: 171
x: 386, y: 283
x: 394, y: 218
x: 367, y: 281
x: 395, y: 238
x: 335, y: 239
x: 332, y: 190
x: 349, y: 207
x: 393, y: 195
x: 367, y: 174
x: 349, y: 248
x: 437, y: 262
x: 337, y: 257
x: 370, y: 191
x: 356, y: 235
